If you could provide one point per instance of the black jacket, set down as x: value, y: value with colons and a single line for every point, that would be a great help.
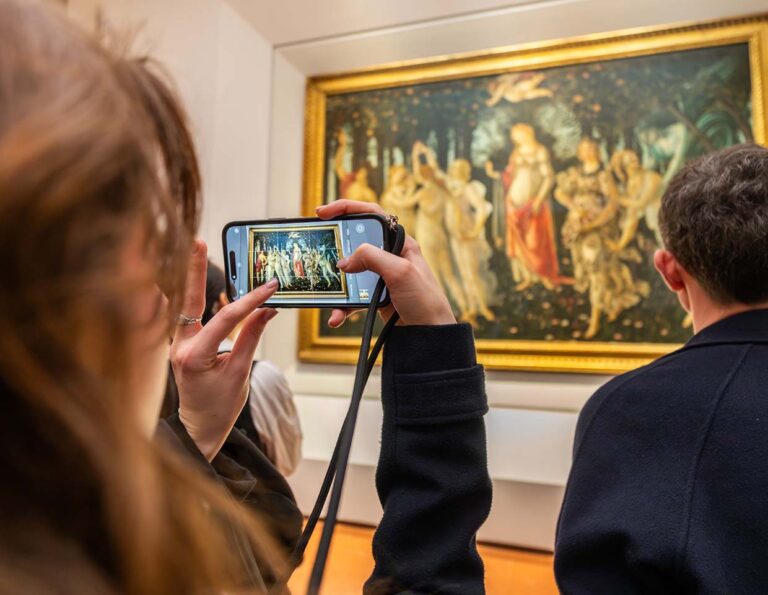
x: 669, y: 483
x: 248, y: 476
x: 432, y: 476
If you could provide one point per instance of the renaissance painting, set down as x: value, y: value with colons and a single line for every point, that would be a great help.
x: 302, y: 259
x: 532, y: 180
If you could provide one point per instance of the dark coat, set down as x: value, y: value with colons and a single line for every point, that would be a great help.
x: 669, y: 484
x: 432, y: 476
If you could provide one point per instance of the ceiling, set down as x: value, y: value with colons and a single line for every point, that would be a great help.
x: 286, y: 22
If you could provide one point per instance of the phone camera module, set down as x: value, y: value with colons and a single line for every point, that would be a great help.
x: 360, y: 228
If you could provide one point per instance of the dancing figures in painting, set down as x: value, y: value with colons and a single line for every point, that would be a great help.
x: 466, y: 214
x: 432, y: 199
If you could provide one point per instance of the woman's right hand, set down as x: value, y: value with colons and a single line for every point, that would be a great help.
x: 413, y: 289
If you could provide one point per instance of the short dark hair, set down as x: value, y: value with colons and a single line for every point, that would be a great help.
x: 714, y: 220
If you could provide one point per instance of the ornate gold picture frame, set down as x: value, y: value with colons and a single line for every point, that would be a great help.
x: 533, y: 299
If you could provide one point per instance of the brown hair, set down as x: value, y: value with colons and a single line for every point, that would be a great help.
x: 714, y: 219
x: 91, y: 145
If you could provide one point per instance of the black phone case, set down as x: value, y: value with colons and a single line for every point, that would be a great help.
x: 389, y: 233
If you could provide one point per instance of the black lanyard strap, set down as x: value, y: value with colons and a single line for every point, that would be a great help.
x: 333, y: 482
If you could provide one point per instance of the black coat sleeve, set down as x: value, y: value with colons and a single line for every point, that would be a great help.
x: 432, y: 476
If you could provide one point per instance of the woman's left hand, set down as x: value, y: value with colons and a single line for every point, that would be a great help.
x: 213, y: 387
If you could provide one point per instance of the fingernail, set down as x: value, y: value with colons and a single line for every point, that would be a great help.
x: 272, y: 283
x: 270, y: 315
x: 342, y: 263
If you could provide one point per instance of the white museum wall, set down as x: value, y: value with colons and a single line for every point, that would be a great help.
x: 533, y: 416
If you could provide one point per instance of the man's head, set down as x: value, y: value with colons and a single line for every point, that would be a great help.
x: 714, y: 222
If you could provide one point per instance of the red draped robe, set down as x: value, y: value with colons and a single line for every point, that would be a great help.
x: 531, y: 236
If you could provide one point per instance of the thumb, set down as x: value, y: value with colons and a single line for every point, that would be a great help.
x: 370, y: 258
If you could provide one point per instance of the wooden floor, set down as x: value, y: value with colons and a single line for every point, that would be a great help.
x: 507, y: 570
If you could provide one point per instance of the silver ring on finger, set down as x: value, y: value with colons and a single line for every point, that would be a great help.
x: 183, y: 320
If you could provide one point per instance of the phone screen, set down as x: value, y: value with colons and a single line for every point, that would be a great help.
x: 302, y: 255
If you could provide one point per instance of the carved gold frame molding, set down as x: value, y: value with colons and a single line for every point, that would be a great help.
x: 550, y: 356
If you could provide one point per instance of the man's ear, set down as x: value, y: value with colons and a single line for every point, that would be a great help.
x: 669, y: 269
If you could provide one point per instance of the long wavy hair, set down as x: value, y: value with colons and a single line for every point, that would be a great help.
x: 92, y: 145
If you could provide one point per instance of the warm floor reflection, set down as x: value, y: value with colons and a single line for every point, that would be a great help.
x: 507, y: 570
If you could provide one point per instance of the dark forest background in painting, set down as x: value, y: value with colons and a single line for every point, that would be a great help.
x: 666, y: 109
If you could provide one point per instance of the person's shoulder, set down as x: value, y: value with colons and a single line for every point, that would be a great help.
x: 629, y: 389
x: 678, y: 388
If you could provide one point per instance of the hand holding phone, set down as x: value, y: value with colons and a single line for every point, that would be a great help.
x: 303, y: 255
x: 414, y: 291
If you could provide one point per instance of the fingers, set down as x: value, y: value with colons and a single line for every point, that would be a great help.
x: 225, y: 321
x: 193, y: 303
x: 337, y: 318
x: 370, y: 258
x: 249, y: 337
x: 347, y: 207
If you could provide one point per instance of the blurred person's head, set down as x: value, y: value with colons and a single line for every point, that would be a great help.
x: 98, y: 209
x: 714, y: 222
x: 215, y: 291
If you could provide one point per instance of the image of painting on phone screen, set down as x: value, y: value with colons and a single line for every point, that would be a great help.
x: 302, y: 255
x: 302, y: 259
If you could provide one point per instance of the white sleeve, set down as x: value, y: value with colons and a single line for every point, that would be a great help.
x: 274, y: 414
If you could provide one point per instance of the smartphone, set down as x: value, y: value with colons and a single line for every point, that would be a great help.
x: 302, y: 254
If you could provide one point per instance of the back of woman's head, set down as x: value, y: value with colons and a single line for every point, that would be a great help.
x: 98, y: 205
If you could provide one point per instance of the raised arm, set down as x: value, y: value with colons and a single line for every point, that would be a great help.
x: 490, y: 171
x: 433, y: 435
x: 432, y: 476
